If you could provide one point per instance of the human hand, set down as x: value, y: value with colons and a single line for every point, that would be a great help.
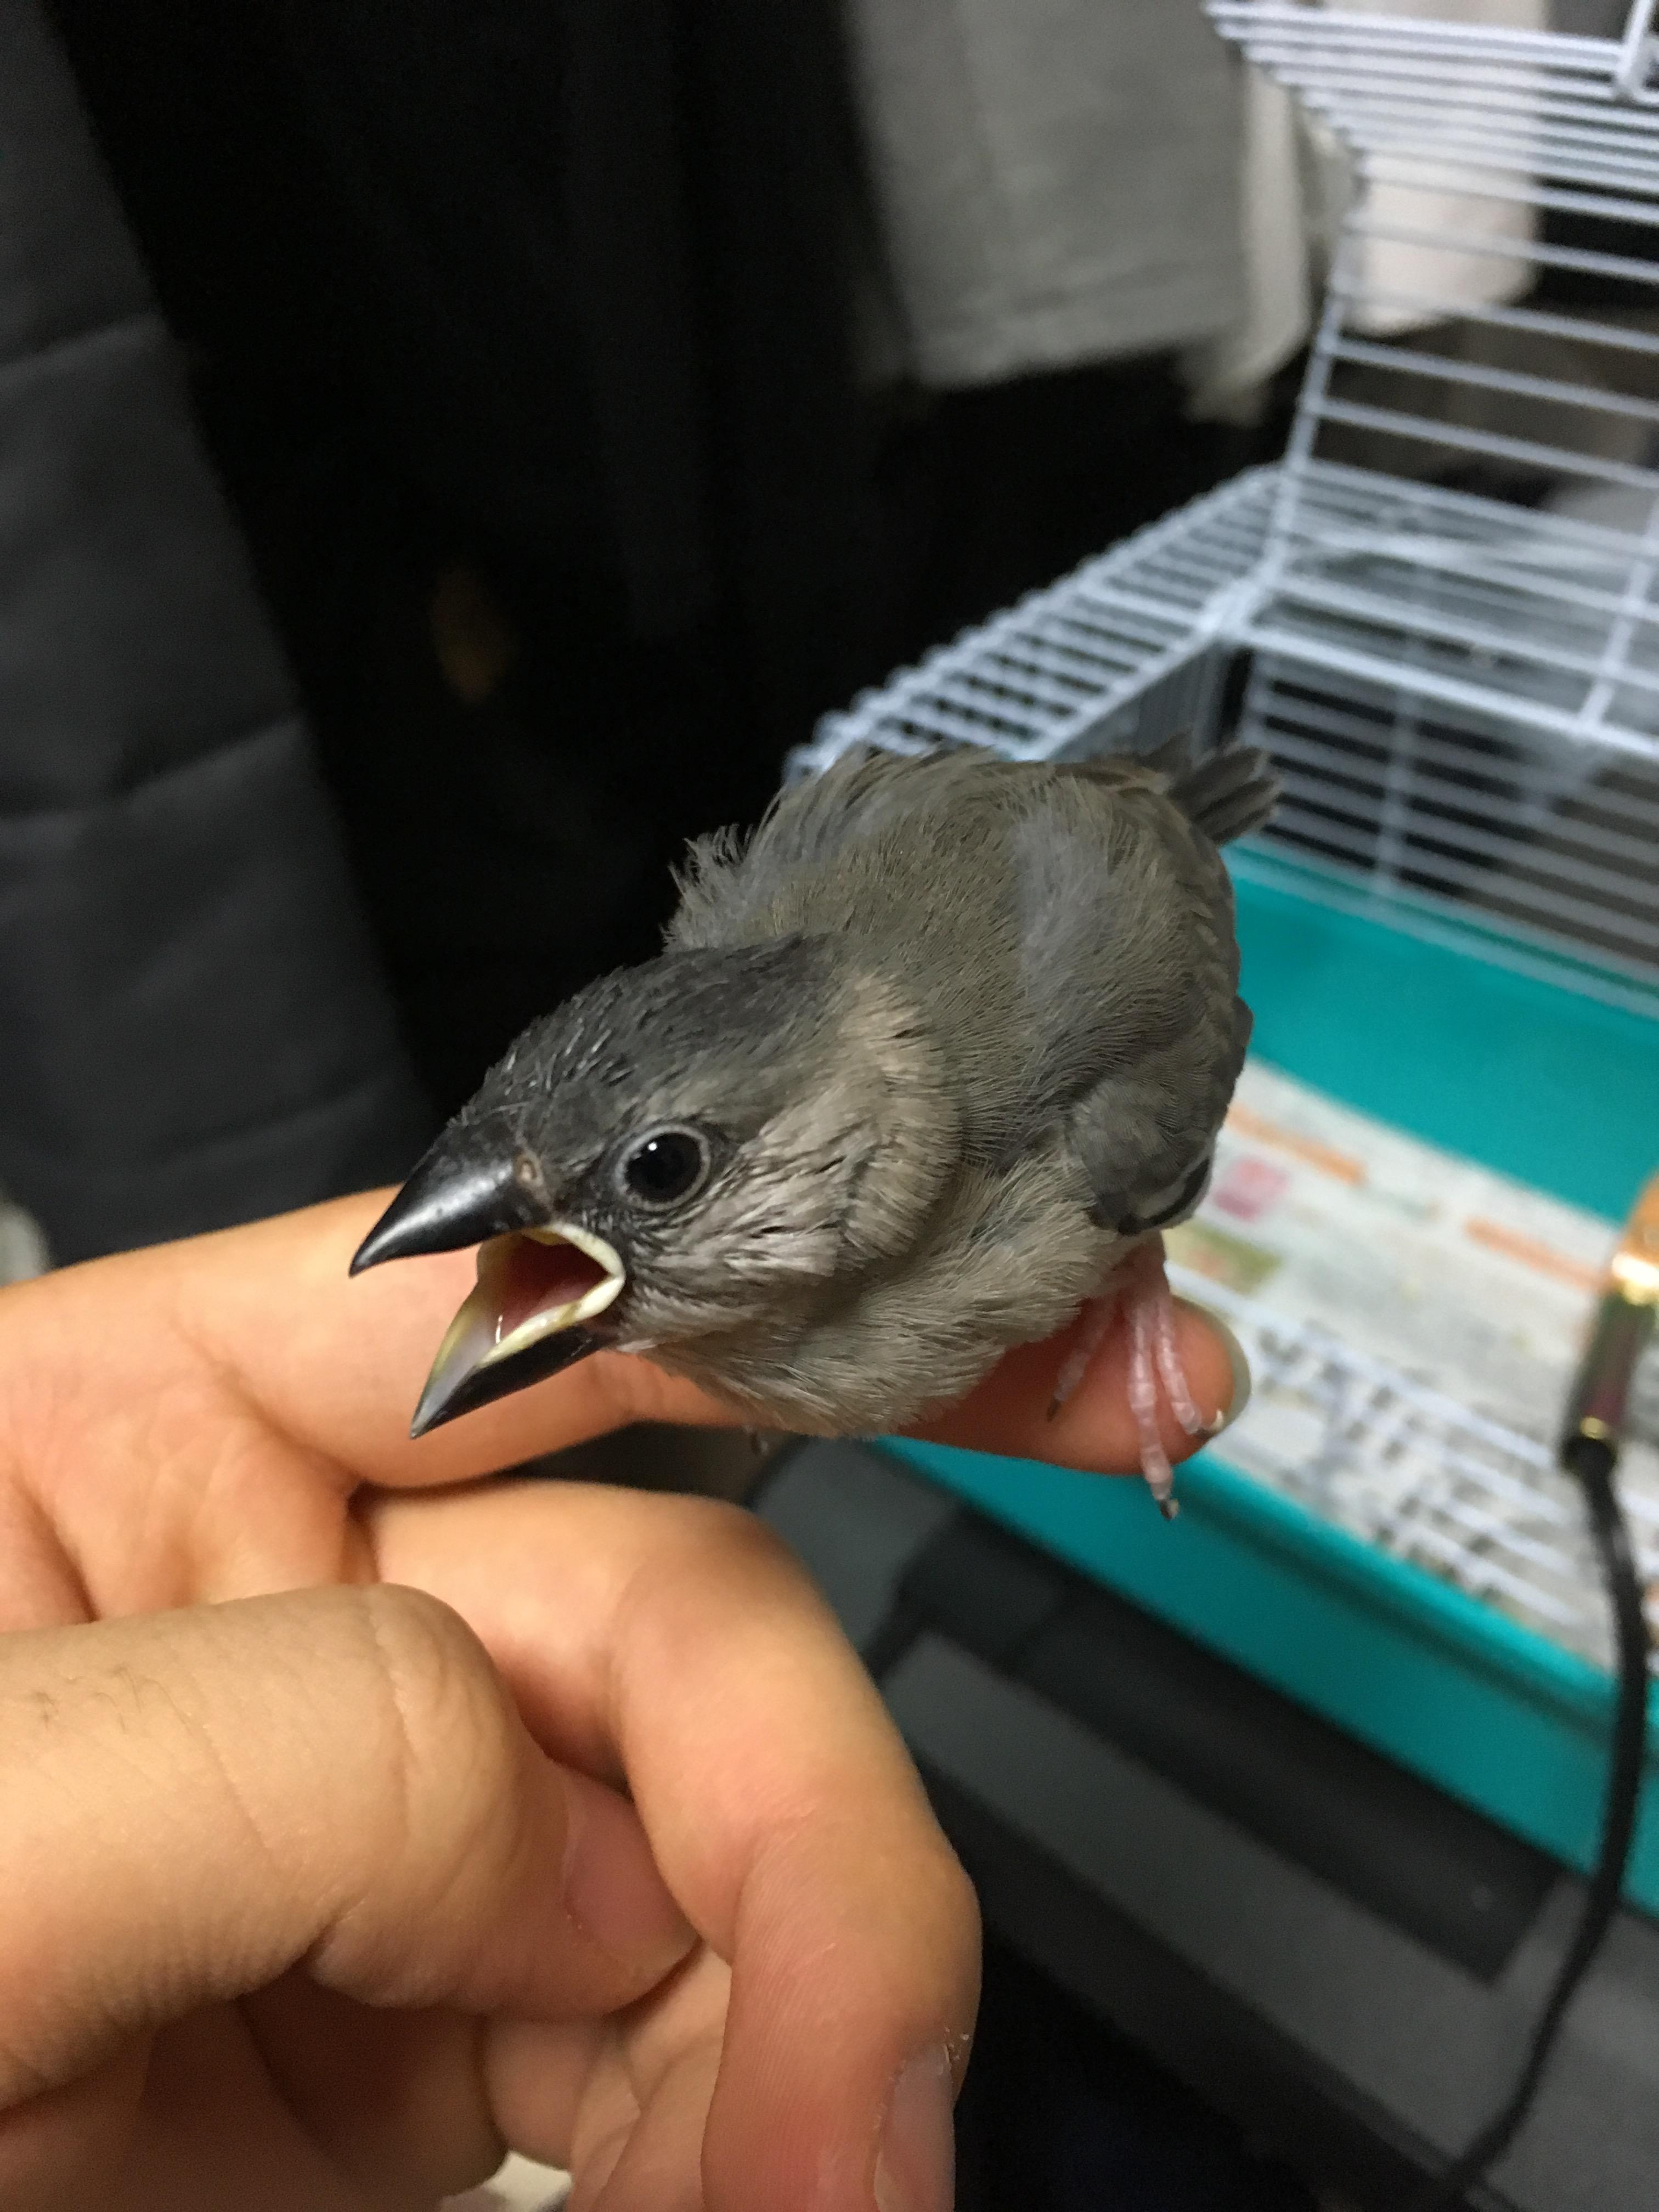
x: 322, y: 1884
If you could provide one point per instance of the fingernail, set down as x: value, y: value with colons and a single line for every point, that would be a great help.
x: 612, y: 1890
x: 916, y: 2165
x: 1236, y: 1359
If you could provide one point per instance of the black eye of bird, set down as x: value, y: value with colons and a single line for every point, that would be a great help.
x: 667, y: 1165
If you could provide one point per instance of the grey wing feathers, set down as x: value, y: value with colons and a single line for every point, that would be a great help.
x: 1161, y: 1023
x: 1229, y: 793
x: 1067, y: 927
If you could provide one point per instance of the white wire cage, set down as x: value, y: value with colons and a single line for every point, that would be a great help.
x: 1440, y: 613
x: 1447, y: 594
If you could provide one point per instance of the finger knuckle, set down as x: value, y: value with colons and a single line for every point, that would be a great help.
x: 442, y: 1693
x: 442, y: 1823
x: 417, y: 1631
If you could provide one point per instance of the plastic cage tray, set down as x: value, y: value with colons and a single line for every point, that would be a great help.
x: 1386, y: 1626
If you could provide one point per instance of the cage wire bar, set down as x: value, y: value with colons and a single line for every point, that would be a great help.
x: 1447, y: 592
x: 1439, y: 612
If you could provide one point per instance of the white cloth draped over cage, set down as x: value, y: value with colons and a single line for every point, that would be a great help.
x: 1056, y: 180
x: 1284, y: 189
x: 1407, y: 281
x: 1067, y: 181
x: 1295, y: 184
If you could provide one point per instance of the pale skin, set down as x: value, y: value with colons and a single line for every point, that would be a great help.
x: 300, y: 1722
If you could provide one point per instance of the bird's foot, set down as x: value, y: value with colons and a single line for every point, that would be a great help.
x: 1140, y: 1292
x: 1096, y: 1319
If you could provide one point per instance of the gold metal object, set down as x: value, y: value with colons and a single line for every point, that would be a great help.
x: 1623, y: 1326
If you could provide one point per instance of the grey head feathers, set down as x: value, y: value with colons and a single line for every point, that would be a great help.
x: 821, y: 1099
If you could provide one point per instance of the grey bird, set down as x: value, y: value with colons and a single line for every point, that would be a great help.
x: 925, y: 1065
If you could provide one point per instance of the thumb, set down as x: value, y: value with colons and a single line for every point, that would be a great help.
x: 197, y: 1801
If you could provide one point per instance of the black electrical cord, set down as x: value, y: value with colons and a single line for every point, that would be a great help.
x: 1592, y: 1460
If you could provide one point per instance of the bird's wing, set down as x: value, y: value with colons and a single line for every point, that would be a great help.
x: 1067, y: 928
x: 1130, y: 976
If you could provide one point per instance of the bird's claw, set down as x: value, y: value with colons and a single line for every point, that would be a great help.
x: 1141, y: 1289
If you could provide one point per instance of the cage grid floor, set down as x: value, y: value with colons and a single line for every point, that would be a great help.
x: 1542, y: 621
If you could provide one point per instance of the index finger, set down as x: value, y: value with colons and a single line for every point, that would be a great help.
x: 338, y: 1365
x: 258, y: 1335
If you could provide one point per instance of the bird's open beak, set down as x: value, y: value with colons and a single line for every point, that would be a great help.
x: 523, y: 1321
x: 539, y: 1282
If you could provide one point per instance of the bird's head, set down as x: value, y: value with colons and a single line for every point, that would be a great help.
x: 718, y: 1142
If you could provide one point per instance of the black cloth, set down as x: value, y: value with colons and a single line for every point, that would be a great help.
x: 192, y: 1028
x: 1059, y: 2114
x: 563, y: 291
x: 558, y: 288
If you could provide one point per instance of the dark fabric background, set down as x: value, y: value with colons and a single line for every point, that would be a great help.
x: 560, y: 291
x: 563, y: 290
x: 1058, y: 2114
x: 193, y: 1027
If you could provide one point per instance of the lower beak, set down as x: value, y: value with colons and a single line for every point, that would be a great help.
x: 527, y: 1318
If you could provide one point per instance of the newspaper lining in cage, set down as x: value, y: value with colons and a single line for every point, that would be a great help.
x: 1413, y: 1321
x: 1421, y: 1478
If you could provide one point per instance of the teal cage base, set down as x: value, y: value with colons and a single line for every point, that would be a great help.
x: 1474, y: 1046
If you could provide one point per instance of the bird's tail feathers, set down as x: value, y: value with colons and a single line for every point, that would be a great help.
x: 1229, y: 793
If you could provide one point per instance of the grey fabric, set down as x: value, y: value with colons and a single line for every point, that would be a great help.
x: 1590, y: 19
x: 1058, y: 179
x: 193, y: 1027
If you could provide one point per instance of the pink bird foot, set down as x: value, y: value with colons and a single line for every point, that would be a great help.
x: 1140, y: 1291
